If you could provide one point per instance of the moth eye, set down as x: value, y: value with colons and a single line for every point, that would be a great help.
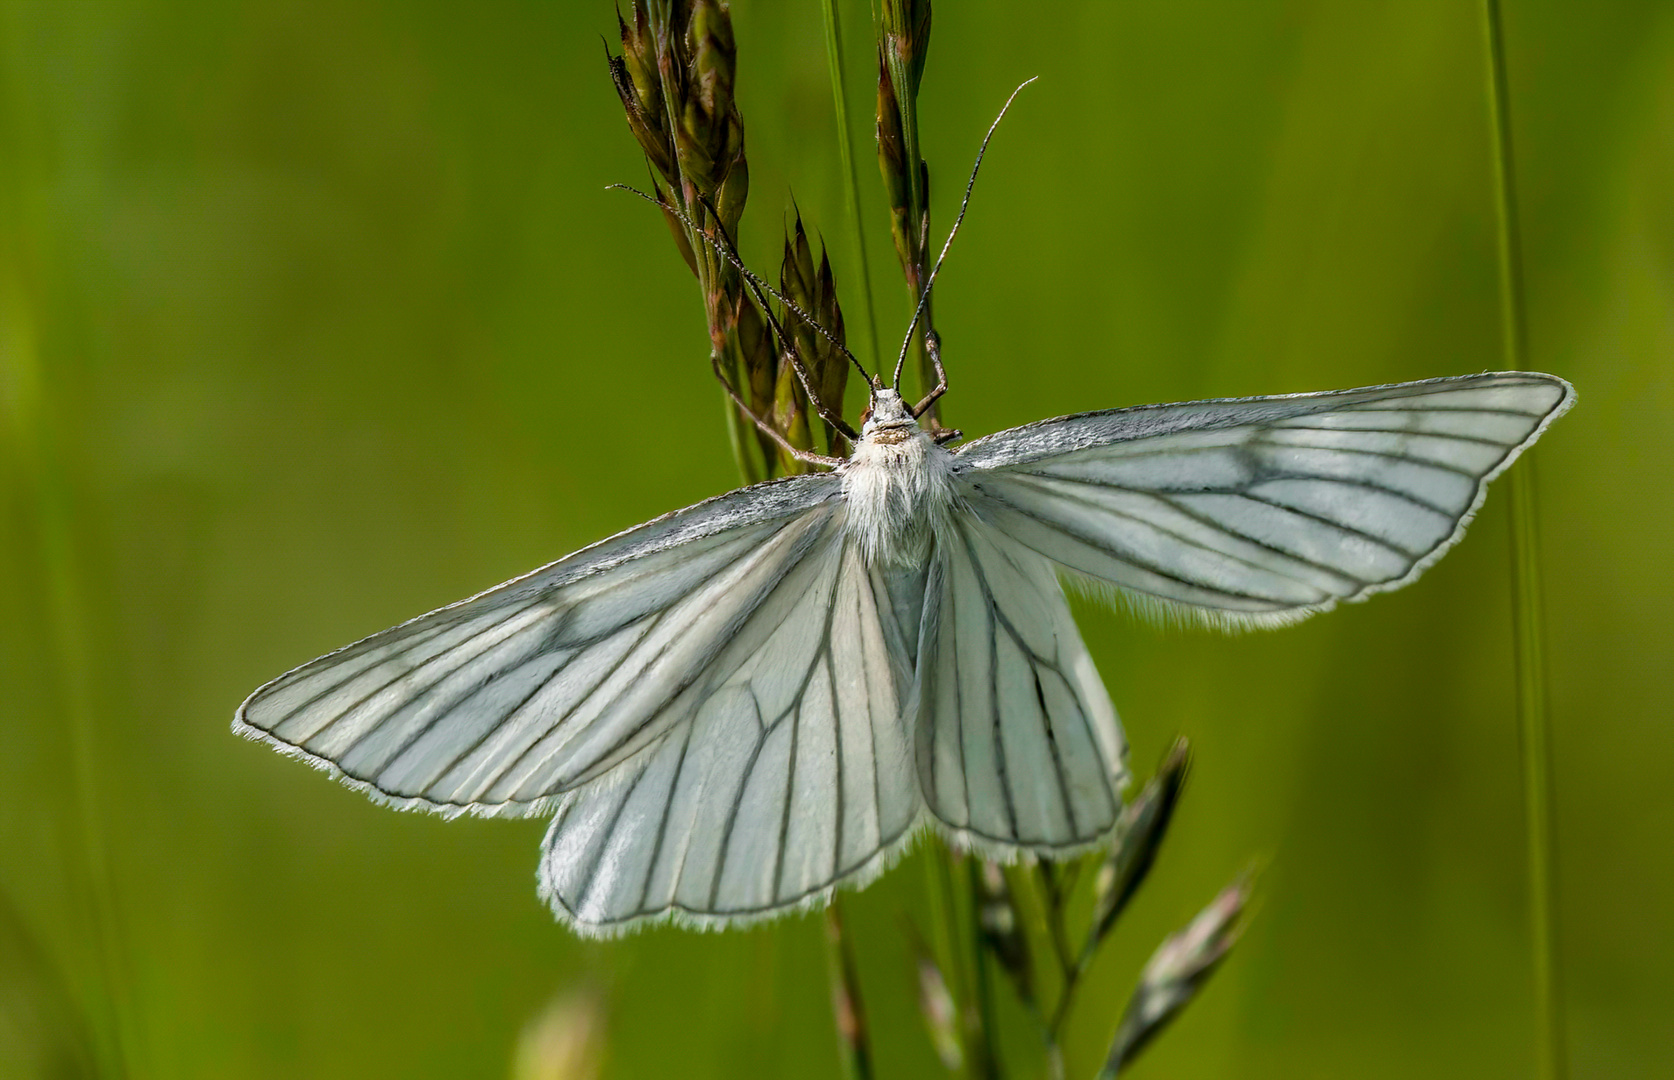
x: 866, y: 413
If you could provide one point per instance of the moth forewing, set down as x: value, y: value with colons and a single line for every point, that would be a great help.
x: 1260, y: 511
x: 448, y: 682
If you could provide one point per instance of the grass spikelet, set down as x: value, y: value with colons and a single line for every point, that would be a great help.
x: 812, y: 288
x: 675, y: 77
x: 1175, y: 973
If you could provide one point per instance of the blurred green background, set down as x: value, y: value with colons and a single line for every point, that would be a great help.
x: 314, y: 316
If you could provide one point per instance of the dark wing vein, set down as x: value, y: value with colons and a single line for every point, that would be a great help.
x: 1103, y: 543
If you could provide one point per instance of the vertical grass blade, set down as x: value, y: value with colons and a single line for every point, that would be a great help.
x: 48, y: 1034
x: 1529, y: 630
x: 851, y: 179
x: 1536, y: 736
x: 983, y: 1061
x: 853, y: 1036
x: 28, y: 416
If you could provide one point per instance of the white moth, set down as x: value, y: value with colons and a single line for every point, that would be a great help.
x: 741, y: 705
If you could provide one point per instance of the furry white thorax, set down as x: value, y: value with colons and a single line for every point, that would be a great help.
x: 898, y: 483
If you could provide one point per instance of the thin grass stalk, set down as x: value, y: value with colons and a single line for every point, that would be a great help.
x: 48, y: 1025
x: 853, y: 1035
x: 938, y: 893
x: 851, y: 178
x: 674, y: 77
x: 944, y: 885
x: 969, y: 954
x: 41, y: 470
x: 982, y: 1058
x: 1055, y: 884
x: 68, y: 630
x: 1534, y: 719
x: 27, y: 423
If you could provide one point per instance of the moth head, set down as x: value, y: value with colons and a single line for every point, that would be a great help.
x: 885, y: 410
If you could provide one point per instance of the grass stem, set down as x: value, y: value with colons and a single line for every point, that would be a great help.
x: 1534, y: 719
x: 851, y: 179
x: 41, y: 468
x: 853, y: 1035
x: 980, y: 1051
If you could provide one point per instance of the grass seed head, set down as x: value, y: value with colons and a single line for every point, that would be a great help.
x: 640, y: 86
x: 1139, y: 835
x: 790, y: 416
x: 831, y: 376
x: 1002, y: 929
x: 709, y: 137
x: 813, y: 289
x: 676, y: 79
x: 1176, y: 971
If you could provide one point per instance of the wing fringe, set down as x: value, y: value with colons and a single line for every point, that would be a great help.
x: 875, y: 866
x: 448, y: 811
x: 879, y: 863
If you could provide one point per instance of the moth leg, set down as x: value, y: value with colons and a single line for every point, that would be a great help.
x: 835, y: 419
x: 933, y: 346
x: 768, y: 429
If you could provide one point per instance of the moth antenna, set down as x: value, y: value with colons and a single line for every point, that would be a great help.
x: 759, y: 284
x: 728, y: 251
x: 834, y: 417
x: 965, y: 204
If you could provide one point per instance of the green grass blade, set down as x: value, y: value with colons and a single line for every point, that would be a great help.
x: 851, y: 179
x: 36, y: 451
x: 1534, y: 720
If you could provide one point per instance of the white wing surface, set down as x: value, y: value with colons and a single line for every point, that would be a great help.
x: 496, y: 703
x: 793, y: 773
x: 713, y: 700
x: 1017, y: 742
x: 1259, y: 511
